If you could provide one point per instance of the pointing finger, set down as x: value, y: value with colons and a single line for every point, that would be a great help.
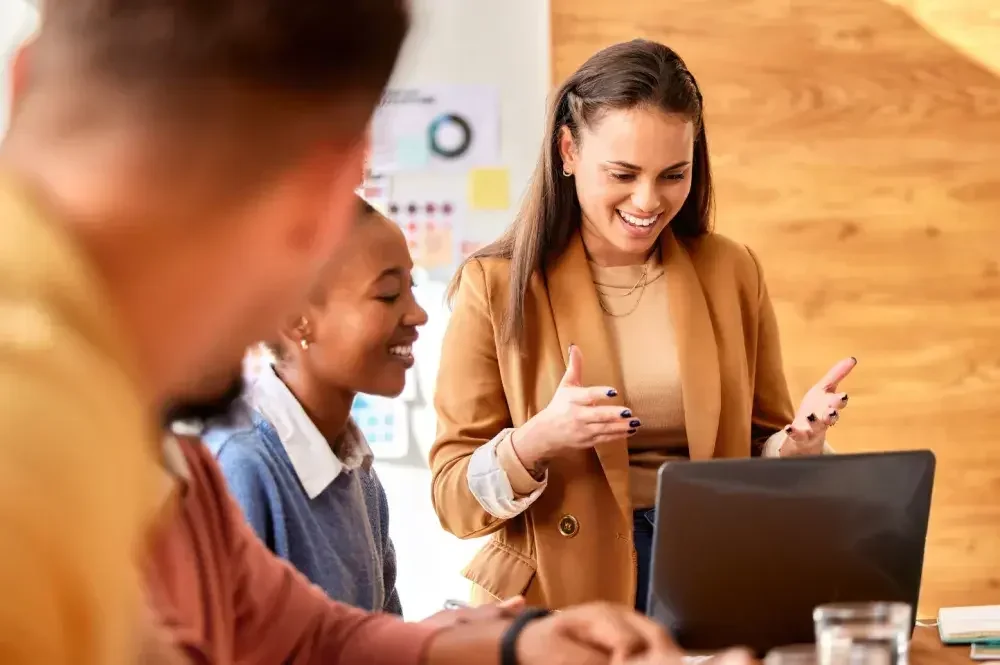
x: 837, y: 374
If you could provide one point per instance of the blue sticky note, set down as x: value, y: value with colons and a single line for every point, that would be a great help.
x: 412, y: 152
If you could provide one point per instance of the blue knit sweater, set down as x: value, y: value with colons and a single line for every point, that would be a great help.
x: 339, y: 539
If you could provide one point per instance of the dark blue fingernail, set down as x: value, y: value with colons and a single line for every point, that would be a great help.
x: 811, y: 417
x: 844, y: 400
x: 788, y: 429
x: 634, y: 423
x: 631, y: 431
x: 626, y: 414
x: 612, y: 393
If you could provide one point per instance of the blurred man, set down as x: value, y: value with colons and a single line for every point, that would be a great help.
x: 172, y: 170
x: 175, y: 175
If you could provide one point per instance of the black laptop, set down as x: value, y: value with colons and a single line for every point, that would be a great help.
x: 743, y: 550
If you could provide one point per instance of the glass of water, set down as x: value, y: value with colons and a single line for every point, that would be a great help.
x: 794, y: 654
x: 863, y: 633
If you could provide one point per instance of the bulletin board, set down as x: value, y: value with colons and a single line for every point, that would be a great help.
x: 454, y: 142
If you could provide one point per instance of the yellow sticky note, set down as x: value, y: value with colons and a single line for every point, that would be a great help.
x: 489, y: 189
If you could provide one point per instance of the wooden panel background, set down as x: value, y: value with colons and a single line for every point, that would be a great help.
x: 856, y: 145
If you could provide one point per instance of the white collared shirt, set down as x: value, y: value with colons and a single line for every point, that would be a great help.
x: 311, y: 454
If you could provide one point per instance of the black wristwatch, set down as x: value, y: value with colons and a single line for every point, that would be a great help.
x: 508, y: 641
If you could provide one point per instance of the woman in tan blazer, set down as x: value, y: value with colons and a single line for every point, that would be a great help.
x: 606, y: 332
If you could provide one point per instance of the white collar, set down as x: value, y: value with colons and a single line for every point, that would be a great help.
x: 310, y: 453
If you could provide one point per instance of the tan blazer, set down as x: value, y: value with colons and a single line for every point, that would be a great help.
x: 574, y: 543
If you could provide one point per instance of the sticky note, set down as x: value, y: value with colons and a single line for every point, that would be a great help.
x: 412, y: 153
x: 489, y: 189
x: 437, y: 247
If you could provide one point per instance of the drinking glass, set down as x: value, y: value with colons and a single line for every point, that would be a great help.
x: 794, y: 654
x: 863, y: 633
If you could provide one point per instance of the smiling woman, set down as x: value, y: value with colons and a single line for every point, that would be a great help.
x: 302, y: 472
x: 663, y: 333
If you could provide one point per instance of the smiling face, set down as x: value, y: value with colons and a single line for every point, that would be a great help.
x: 361, y: 335
x: 632, y: 170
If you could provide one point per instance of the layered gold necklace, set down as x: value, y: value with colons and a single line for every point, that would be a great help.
x: 640, y: 285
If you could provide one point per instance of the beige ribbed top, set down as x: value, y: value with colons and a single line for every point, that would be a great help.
x: 642, y: 336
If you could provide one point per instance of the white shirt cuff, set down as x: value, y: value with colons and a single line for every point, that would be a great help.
x: 489, y: 483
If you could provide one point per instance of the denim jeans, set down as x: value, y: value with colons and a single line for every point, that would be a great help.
x: 642, y: 534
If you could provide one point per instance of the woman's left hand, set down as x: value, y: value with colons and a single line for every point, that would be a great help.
x: 820, y: 410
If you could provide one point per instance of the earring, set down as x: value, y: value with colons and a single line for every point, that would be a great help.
x: 303, y: 330
x: 566, y: 172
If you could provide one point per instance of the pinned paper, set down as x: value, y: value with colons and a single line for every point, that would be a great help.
x: 489, y: 189
x: 412, y: 152
x: 384, y: 423
x: 436, y: 247
x: 467, y: 247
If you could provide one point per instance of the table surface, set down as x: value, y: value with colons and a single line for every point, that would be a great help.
x: 926, y: 649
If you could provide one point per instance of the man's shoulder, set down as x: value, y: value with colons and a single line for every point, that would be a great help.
x: 51, y: 372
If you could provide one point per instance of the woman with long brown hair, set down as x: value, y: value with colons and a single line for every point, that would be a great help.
x: 606, y: 332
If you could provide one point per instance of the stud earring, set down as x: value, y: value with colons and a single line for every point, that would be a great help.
x: 304, y: 343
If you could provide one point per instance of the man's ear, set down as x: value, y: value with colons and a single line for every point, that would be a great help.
x: 19, y: 66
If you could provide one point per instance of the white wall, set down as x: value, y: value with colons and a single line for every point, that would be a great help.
x: 18, y: 19
x: 460, y: 42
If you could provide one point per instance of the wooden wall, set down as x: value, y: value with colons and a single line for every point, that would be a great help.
x: 856, y: 145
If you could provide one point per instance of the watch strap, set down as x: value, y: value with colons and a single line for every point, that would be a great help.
x: 508, y: 641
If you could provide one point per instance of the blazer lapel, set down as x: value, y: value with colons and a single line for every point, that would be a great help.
x: 697, y: 352
x: 579, y: 320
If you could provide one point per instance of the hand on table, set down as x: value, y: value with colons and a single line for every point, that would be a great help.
x: 592, y: 634
x: 506, y: 609
x: 577, y: 417
x: 602, y: 633
x: 820, y: 409
x: 730, y: 657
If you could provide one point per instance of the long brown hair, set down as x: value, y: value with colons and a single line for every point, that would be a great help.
x: 623, y: 76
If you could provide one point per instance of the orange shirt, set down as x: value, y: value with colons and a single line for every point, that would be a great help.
x: 226, y: 598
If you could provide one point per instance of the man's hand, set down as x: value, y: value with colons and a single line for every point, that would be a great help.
x: 731, y: 657
x: 596, y: 633
x: 506, y: 609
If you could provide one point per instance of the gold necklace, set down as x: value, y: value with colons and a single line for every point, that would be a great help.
x: 640, y: 284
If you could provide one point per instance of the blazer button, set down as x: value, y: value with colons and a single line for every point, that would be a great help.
x: 569, y: 526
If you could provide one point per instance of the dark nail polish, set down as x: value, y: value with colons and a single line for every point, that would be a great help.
x: 788, y: 429
x: 833, y: 414
x: 811, y: 417
x: 613, y: 393
x: 634, y: 423
x: 854, y: 359
x: 845, y: 399
x: 631, y: 431
x: 626, y: 414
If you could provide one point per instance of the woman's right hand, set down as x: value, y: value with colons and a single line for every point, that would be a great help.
x: 577, y: 417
